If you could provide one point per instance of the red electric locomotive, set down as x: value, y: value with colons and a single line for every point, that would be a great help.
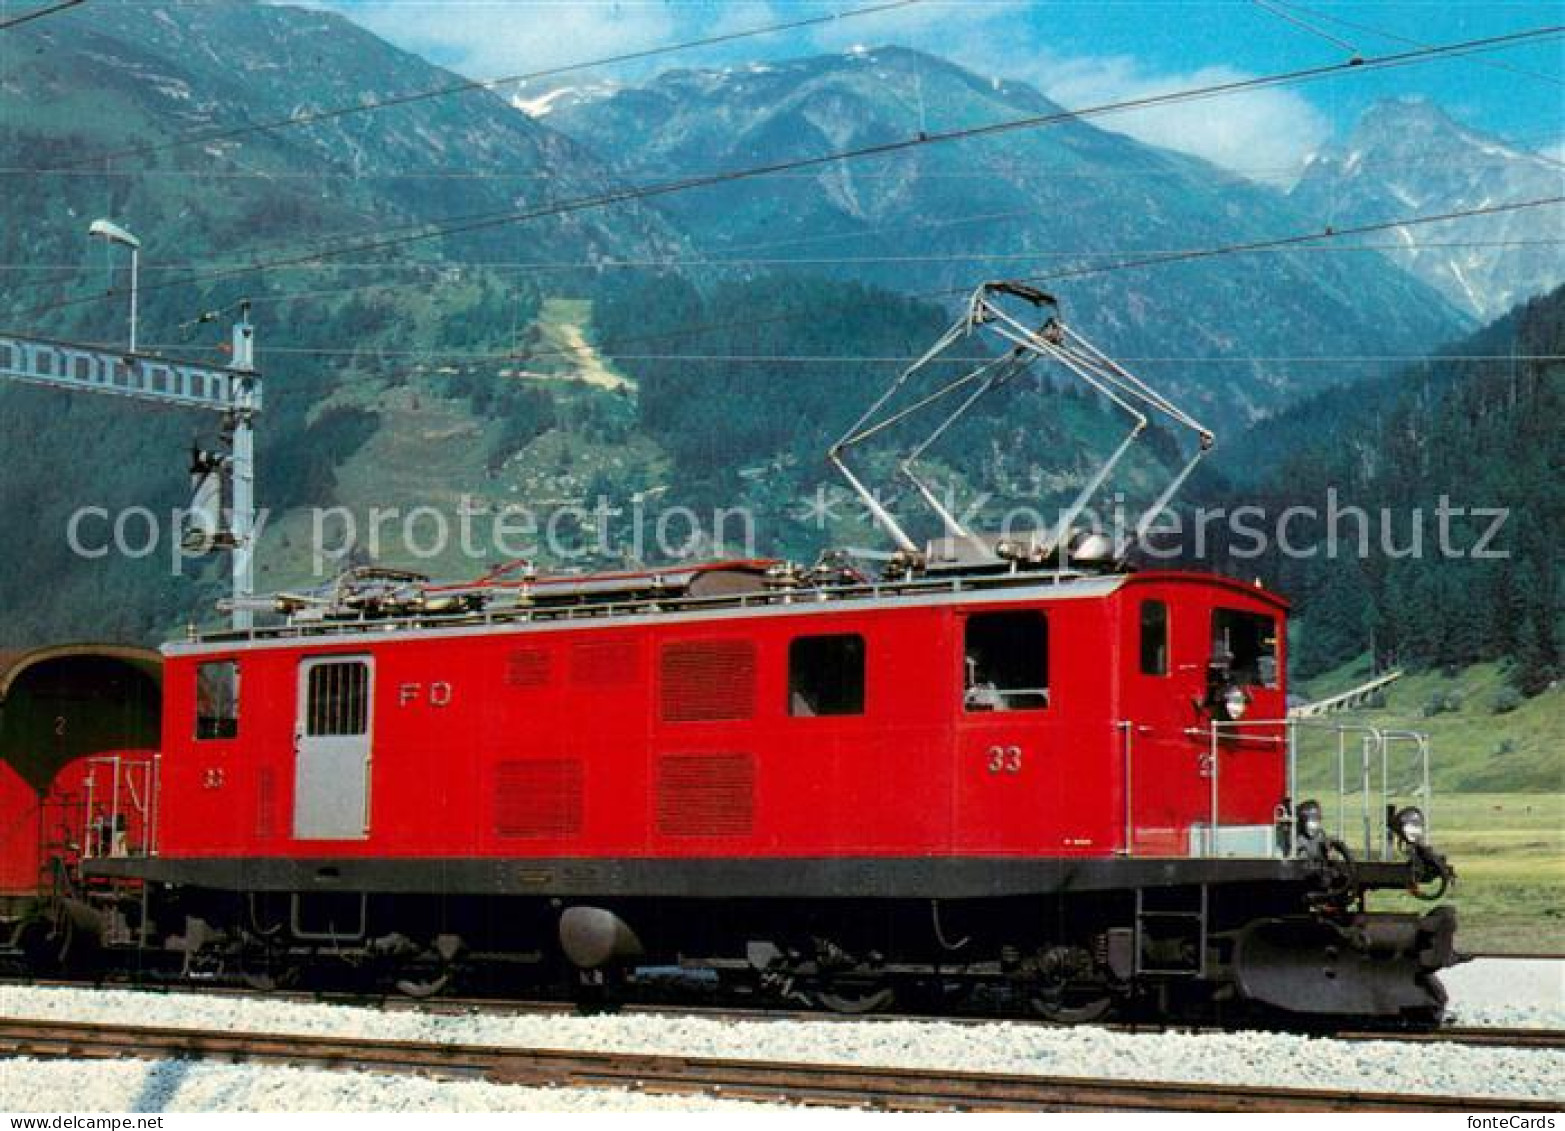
x: 1004, y: 761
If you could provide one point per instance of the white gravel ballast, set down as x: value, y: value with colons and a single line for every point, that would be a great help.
x: 1492, y: 993
x: 1508, y: 993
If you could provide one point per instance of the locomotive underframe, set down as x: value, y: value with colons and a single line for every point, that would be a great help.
x: 1170, y: 937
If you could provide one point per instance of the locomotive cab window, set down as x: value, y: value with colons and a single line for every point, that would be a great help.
x: 826, y: 676
x: 1006, y: 661
x: 338, y: 703
x: 217, y: 700
x: 1245, y: 644
x: 1154, y: 638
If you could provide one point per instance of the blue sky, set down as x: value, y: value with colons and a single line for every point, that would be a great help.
x: 1079, y: 52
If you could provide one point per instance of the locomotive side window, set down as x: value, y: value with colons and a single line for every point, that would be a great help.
x: 1154, y: 638
x: 217, y: 700
x: 1006, y: 657
x: 826, y: 676
x: 1246, y: 645
x: 339, y: 700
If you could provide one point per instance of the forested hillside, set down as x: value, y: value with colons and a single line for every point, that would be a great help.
x: 1478, y: 425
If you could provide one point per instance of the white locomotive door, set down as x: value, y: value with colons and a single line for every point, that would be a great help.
x: 332, y: 749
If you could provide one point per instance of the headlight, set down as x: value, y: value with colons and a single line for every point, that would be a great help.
x: 1408, y: 825
x: 1309, y: 820
x: 1235, y: 702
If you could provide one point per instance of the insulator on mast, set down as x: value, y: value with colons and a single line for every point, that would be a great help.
x: 203, y: 530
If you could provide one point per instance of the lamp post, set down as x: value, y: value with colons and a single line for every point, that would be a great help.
x: 113, y: 233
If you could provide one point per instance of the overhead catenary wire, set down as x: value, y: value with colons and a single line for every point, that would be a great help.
x: 882, y: 149
x: 1294, y: 243
x: 1302, y: 238
x: 315, y: 117
x: 657, y: 264
x: 1306, y: 27
x: 38, y: 14
x: 204, y: 172
x: 1359, y: 26
x: 443, y: 265
x: 432, y: 355
x: 703, y: 180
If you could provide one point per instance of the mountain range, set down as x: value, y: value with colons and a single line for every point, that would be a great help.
x: 1058, y: 203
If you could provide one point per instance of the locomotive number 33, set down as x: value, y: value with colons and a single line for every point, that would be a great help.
x: 1005, y: 759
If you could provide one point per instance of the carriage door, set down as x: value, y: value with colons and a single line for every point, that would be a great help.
x: 332, y: 749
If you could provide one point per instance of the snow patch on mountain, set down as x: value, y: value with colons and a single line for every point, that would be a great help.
x: 545, y: 102
x: 1409, y: 158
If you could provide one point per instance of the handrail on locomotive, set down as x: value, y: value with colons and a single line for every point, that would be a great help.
x: 1392, y: 801
x: 1358, y: 778
x: 124, y: 822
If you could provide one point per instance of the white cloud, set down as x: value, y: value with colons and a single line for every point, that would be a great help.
x: 966, y: 31
x: 1263, y: 134
x: 1266, y: 134
x: 489, y: 38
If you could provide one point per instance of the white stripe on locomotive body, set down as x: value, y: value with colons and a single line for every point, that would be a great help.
x: 371, y: 634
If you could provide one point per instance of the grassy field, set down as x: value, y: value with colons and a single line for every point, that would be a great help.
x: 1475, y: 748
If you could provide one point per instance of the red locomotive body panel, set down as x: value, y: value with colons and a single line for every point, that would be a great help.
x: 1037, y: 720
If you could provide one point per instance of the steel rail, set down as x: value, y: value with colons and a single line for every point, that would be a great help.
x: 818, y: 1084
x: 1475, y: 1036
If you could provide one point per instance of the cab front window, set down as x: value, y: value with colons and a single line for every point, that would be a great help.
x: 1245, y: 645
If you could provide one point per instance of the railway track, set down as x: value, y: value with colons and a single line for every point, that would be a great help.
x: 766, y: 1081
x: 1476, y: 1036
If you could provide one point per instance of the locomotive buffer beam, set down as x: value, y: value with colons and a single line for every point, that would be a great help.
x: 1362, y: 966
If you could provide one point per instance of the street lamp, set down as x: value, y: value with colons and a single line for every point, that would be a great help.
x: 113, y: 233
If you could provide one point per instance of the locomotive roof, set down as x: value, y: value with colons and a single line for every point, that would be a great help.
x: 593, y: 602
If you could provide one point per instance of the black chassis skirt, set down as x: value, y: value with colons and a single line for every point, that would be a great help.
x: 953, y: 878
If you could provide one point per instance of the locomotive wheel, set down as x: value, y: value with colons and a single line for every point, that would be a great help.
x: 430, y: 972
x: 265, y: 969
x: 1066, y: 1005
x: 852, y: 997
x: 1063, y: 990
x: 424, y: 982
x: 45, y: 944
